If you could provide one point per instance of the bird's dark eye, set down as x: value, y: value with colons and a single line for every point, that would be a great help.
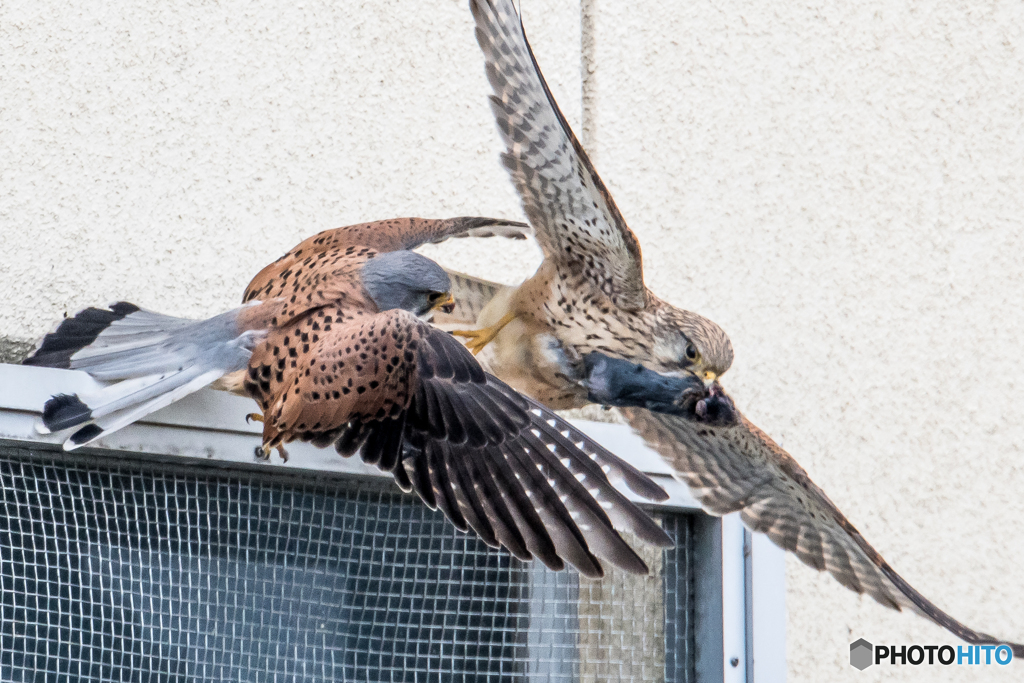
x: 691, y: 352
x: 434, y: 296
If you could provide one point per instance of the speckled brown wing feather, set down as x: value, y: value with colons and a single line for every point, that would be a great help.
x: 356, y: 241
x: 318, y: 380
x: 575, y: 217
x: 737, y: 467
x: 413, y: 401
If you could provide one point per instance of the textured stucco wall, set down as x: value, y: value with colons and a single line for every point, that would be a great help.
x: 165, y: 152
x: 841, y: 186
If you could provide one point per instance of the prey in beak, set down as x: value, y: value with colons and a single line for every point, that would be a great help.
x: 623, y: 384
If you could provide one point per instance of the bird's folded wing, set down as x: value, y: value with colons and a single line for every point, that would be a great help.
x: 320, y: 373
x: 395, y: 234
x: 737, y: 467
x: 575, y: 217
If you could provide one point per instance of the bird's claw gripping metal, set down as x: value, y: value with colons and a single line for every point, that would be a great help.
x: 263, y: 452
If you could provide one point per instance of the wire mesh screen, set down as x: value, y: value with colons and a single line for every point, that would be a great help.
x: 134, y: 571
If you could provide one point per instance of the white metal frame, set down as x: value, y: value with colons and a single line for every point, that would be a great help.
x: 743, y: 615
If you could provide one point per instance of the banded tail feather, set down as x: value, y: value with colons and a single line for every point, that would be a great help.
x: 76, y: 333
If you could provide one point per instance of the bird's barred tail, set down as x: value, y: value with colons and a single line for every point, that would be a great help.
x: 151, y: 359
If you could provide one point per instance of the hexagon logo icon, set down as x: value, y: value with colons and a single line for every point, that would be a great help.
x: 861, y: 654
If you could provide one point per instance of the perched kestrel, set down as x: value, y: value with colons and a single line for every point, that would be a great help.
x: 588, y: 302
x: 332, y: 345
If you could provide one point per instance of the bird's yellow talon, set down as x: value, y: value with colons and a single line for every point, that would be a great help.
x: 478, y: 339
x: 253, y: 417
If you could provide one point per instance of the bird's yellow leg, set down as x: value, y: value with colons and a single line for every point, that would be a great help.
x: 478, y: 339
x: 254, y: 417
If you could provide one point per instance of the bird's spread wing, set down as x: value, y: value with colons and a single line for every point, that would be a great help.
x: 395, y: 234
x: 731, y: 465
x: 527, y: 466
x: 414, y: 402
x: 576, y: 219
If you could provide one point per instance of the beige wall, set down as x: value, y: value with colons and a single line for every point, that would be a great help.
x: 840, y: 185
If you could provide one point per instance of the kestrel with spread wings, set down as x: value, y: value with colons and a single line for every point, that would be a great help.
x: 333, y: 346
x: 588, y: 301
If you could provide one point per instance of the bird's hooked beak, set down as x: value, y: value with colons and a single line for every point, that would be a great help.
x: 446, y: 304
x: 707, y: 377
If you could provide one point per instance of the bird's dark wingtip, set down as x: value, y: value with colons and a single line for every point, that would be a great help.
x: 641, y: 484
x: 85, y: 434
x: 662, y: 541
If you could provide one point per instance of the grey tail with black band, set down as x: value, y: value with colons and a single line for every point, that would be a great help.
x: 153, y: 360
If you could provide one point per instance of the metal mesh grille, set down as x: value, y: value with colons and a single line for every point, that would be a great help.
x: 118, y: 571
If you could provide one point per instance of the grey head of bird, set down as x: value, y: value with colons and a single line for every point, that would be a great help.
x: 685, y: 342
x: 409, y: 281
